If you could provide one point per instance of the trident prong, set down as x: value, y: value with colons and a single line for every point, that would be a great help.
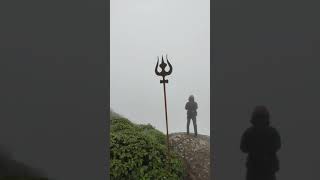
x: 163, y: 65
x: 170, y: 66
x: 156, y: 69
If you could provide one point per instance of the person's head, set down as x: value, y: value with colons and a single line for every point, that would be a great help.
x: 260, y: 116
x: 191, y: 98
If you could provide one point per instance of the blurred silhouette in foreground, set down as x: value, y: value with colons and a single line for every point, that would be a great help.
x: 261, y: 142
x: 191, y: 107
x: 12, y: 169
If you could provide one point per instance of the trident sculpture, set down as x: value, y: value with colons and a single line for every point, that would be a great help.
x: 164, y: 73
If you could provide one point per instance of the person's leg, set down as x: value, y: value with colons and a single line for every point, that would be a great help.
x: 188, y: 124
x: 273, y: 177
x: 194, y: 120
x: 268, y: 177
x: 251, y: 175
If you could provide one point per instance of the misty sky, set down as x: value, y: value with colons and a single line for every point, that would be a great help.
x: 140, y: 31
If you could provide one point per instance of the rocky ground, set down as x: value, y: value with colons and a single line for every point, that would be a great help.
x: 195, y: 152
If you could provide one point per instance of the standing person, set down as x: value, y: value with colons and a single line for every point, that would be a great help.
x: 191, y: 107
x: 261, y: 142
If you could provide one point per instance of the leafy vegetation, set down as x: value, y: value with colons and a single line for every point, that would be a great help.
x: 139, y: 152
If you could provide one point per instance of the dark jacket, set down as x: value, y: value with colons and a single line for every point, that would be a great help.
x: 191, y: 108
x: 261, y: 142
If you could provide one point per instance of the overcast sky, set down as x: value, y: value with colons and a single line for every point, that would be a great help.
x: 141, y: 30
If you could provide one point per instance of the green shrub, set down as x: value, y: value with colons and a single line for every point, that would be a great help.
x: 139, y: 152
x: 155, y: 134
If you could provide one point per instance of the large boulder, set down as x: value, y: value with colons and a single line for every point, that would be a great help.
x: 196, y: 154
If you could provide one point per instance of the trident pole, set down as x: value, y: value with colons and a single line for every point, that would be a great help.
x: 166, y: 111
x: 164, y: 73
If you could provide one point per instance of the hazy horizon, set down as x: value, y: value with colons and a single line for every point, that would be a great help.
x: 139, y: 32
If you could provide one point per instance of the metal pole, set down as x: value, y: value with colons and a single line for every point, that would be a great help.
x: 165, y: 106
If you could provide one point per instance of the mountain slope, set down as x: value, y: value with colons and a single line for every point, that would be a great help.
x: 191, y: 155
x: 139, y: 152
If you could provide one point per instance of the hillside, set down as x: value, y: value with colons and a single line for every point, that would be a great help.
x: 139, y: 152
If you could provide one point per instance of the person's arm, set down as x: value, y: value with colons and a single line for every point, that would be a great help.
x: 196, y: 106
x: 277, y: 140
x: 244, y: 146
x: 186, y: 106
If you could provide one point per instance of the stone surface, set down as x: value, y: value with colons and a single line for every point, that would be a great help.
x: 195, y: 152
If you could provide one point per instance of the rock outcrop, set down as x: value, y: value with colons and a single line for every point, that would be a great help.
x: 196, y: 154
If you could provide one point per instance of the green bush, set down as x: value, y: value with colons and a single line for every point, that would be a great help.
x: 139, y: 152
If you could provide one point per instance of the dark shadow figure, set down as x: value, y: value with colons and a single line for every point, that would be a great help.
x: 9, y: 167
x: 191, y: 107
x: 261, y: 142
